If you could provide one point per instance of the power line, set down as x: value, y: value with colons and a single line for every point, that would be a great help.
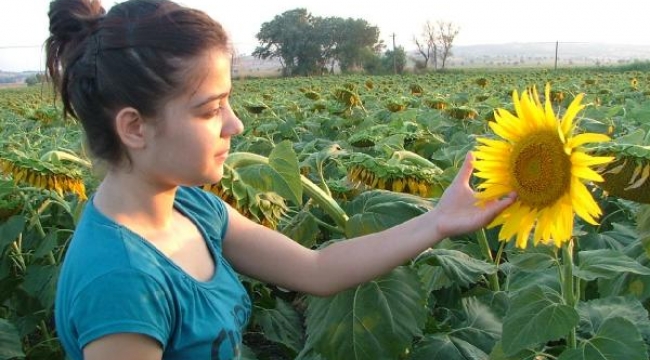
x: 20, y: 47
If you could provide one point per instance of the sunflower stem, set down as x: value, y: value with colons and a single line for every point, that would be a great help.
x: 568, y: 290
x: 485, y: 248
x: 58, y: 155
x: 413, y: 158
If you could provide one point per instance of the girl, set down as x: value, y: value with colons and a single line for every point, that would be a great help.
x: 150, y: 271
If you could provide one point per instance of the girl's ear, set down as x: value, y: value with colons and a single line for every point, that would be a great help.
x: 130, y: 127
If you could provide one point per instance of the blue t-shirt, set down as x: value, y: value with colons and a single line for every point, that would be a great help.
x: 114, y: 281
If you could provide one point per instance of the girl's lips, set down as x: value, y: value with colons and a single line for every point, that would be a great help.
x: 222, y: 155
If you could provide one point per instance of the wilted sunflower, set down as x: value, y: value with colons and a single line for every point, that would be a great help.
x: 542, y: 161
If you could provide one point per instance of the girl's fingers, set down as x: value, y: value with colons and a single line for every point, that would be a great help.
x: 465, y: 172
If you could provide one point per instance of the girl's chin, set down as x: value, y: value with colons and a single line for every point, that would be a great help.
x: 215, y: 176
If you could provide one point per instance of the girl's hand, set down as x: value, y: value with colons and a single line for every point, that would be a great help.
x: 456, y: 212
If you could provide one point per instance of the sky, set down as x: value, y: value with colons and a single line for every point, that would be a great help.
x: 24, y: 23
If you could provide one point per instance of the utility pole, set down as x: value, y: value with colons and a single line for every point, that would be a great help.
x: 394, y: 57
x: 556, y: 46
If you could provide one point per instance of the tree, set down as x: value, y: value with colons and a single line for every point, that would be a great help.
x: 436, y: 42
x: 372, y: 63
x: 427, y: 46
x: 289, y: 38
x: 35, y: 79
x: 331, y: 36
x: 394, y: 61
x: 306, y: 44
x: 447, y: 32
x: 353, y: 36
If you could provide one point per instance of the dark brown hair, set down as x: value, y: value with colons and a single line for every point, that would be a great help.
x: 134, y: 55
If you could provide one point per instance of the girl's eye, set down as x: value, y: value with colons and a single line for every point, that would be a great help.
x: 212, y: 113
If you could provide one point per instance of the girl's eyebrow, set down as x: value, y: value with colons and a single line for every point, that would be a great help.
x: 212, y: 98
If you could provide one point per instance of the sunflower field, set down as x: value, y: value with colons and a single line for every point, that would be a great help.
x: 564, y: 274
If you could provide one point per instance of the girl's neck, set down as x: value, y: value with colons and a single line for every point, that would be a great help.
x: 131, y: 201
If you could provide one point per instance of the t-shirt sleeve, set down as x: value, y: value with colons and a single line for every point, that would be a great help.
x: 123, y: 301
x: 220, y: 222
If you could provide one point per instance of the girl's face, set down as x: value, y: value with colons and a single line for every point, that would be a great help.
x: 190, y: 141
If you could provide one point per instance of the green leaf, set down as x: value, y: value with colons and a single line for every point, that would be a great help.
x: 619, y: 237
x: 536, y: 315
x: 308, y: 353
x: 519, y: 280
x: 448, y: 347
x: 643, y: 221
x: 635, y: 137
x: 284, y: 161
x: 453, y: 267
x: 263, y: 178
x: 616, y: 339
x: 434, y: 278
x: 10, y: 344
x: 376, y: 320
x: 40, y: 283
x: 377, y: 210
x: 247, y: 353
x: 626, y: 283
x: 595, y: 312
x: 10, y: 230
x: 281, y: 324
x: 498, y: 354
x: 46, y: 245
x: 471, y: 333
x: 532, y: 261
x: 480, y: 325
x: 607, y: 264
x: 303, y: 228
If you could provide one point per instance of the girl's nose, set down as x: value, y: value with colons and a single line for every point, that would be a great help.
x: 232, y: 124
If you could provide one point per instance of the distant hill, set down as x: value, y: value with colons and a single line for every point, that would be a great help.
x: 498, y: 55
x: 13, y: 78
x: 534, y: 54
x: 467, y: 56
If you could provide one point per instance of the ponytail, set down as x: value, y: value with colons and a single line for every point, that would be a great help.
x: 72, y: 22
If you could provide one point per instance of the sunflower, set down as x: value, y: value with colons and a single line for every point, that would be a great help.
x: 542, y: 161
x: 43, y: 177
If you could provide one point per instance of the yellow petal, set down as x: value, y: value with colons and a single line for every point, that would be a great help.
x: 551, y: 120
x: 494, y: 143
x: 581, y: 158
x: 494, y: 192
x: 586, y: 173
x: 582, y: 139
x: 581, y: 198
x: 503, y: 132
x: 513, y: 224
x: 525, y: 228
x: 566, y: 124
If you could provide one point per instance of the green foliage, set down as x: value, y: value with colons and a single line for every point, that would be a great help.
x: 376, y: 320
x: 536, y: 315
x: 473, y: 332
x: 443, y: 268
x: 10, y: 346
x: 281, y: 324
x: 617, y: 338
x: 394, y: 61
x: 442, y: 304
x: 607, y: 264
x: 35, y: 79
x: 378, y: 210
x: 306, y: 45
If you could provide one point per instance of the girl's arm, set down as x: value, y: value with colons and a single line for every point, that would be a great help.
x: 123, y: 346
x: 270, y: 256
